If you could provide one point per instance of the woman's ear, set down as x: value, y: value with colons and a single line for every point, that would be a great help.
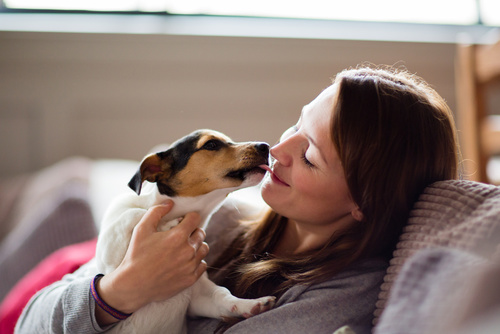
x: 357, y: 214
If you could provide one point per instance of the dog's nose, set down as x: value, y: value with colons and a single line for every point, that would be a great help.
x: 262, y: 148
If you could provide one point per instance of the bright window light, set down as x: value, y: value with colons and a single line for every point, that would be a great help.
x: 90, y: 5
x: 423, y: 11
x: 490, y: 12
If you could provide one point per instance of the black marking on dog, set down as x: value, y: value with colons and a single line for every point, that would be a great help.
x: 181, y: 151
x: 176, y: 157
x: 165, y: 189
x: 136, y: 182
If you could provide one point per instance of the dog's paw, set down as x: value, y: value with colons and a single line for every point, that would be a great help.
x: 249, y: 307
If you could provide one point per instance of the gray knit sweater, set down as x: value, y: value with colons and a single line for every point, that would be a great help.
x: 347, y: 299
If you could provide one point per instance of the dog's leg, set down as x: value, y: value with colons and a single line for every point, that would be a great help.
x: 214, y: 301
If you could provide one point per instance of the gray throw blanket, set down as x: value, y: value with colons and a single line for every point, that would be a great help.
x: 458, y: 222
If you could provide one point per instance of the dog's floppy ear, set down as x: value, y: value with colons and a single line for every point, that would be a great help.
x: 148, y: 171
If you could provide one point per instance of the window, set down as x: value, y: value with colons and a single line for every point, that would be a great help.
x: 456, y: 12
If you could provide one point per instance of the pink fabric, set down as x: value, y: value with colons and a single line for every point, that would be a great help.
x: 53, y: 268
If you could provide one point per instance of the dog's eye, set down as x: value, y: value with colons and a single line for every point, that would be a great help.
x: 212, y: 145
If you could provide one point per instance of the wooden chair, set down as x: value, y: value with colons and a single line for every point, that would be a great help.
x: 477, y: 68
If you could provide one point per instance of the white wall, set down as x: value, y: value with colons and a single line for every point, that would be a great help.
x: 117, y: 95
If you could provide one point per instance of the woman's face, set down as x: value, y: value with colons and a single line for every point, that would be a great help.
x: 307, y: 183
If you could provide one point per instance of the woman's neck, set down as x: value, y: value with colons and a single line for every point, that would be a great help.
x: 299, y: 238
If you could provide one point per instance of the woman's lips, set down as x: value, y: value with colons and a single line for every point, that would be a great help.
x: 274, y: 177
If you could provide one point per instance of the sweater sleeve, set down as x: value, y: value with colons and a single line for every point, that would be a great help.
x: 347, y: 299
x: 65, y: 306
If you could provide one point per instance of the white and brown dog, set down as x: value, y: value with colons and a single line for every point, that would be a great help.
x: 197, y: 172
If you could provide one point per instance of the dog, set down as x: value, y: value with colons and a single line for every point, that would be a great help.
x: 197, y: 172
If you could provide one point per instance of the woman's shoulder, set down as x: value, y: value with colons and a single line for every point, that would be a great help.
x: 367, y: 273
x: 368, y: 268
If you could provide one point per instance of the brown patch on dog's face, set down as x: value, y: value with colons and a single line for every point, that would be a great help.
x: 201, y: 162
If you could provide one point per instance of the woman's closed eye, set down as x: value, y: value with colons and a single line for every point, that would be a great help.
x: 306, y: 161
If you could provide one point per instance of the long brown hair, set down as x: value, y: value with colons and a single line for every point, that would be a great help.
x: 394, y: 135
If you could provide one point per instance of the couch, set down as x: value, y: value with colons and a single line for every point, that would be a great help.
x: 443, y: 277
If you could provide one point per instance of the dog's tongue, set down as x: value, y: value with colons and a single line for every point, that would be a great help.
x: 266, y: 168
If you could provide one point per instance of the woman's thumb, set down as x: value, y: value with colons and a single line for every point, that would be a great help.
x: 149, y: 222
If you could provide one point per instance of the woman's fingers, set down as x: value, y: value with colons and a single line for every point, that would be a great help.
x: 196, y: 238
x: 149, y: 222
x: 200, y: 269
x: 157, y: 265
x: 189, y: 223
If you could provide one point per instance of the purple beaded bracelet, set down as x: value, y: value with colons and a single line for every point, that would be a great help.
x: 111, y: 311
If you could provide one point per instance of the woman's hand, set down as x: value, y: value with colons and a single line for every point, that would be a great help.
x: 156, y: 266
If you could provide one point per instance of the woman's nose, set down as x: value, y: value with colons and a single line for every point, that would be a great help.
x: 280, y: 153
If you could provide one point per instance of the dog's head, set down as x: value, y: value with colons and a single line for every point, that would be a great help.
x: 201, y: 162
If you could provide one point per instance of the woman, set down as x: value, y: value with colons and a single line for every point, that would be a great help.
x: 343, y: 181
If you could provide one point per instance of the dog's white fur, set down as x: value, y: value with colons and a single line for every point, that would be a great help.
x: 204, y: 298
